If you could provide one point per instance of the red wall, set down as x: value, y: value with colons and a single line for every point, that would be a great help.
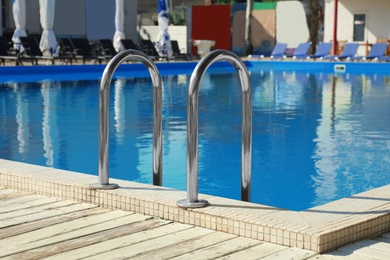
x: 211, y: 22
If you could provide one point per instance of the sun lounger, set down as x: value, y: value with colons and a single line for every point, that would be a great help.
x: 177, y: 54
x: 66, y: 45
x: 377, y: 52
x: 145, y: 46
x: 323, y: 50
x: 148, y: 47
x: 278, y: 52
x: 107, y: 48
x: 348, y: 53
x: 67, y: 49
x: 384, y: 58
x: 7, y: 53
x: 84, y: 51
x: 32, y: 51
x: 129, y: 44
x: 301, y: 51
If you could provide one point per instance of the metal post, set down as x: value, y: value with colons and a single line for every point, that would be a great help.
x: 335, y: 19
x: 104, y: 117
x: 192, y: 200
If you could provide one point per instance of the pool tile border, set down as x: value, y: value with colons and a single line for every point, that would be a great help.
x: 320, y: 229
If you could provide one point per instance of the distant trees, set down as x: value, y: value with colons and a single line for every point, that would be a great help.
x: 248, y: 28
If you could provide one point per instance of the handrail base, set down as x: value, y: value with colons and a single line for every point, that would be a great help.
x: 98, y: 186
x: 188, y: 204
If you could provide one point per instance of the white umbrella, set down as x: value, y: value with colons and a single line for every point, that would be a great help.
x: 48, y: 45
x: 119, y: 24
x: 19, y: 12
x: 163, y: 43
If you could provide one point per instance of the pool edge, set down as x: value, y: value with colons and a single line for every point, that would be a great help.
x: 320, y: 229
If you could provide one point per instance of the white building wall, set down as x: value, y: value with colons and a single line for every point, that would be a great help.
x: 377, y: 20
x: 63, y: 26
x: 291, y: 29
x: 130, y: 24
x: 33, y: 23
x: 176, y: 32
x: 100, y: 19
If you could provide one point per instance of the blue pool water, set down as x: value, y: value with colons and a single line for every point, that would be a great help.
x: 317, y: 137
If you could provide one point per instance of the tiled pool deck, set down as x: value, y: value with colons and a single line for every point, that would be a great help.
x: 320, y: 229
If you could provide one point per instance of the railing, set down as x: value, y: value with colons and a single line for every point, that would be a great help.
x: 192, y: 200
x: 104, y: 117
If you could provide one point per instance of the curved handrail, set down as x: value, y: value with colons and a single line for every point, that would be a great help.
x: 192, y: 127
x: 104, y: 116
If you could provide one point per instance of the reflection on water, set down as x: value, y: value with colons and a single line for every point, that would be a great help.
x: 49, y: 122
x: 22, y: 120
x: 119, y: 109
x: 316, y: 137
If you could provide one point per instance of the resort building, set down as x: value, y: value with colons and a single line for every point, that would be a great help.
x: 361, y: 21
x: 357, y: 21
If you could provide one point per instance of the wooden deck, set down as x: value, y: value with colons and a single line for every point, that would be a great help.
x: 37, y: 227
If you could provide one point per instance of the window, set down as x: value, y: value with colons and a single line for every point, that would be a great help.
x: 359, y: 24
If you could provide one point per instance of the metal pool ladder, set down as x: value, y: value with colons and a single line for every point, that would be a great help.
x: 104, y: 101
x: 192, y: 200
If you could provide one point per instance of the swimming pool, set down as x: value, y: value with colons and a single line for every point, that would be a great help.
x: 317, y: 136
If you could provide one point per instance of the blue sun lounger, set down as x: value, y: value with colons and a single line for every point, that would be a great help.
x: 277, y: 52
x: 348, y: 53
x: 385, y: 58
x: 323, y: 50
x: 377, y: 52
x: 301, y: 51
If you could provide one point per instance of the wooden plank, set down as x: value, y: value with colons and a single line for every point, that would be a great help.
x: 112, y: 245
x: 6, y: 192
x: 70, y: 229
x: 16, y: 201
x: 256, y: 252
x: 169, y: 245
x: 384, y: 239
x: 154, y: 244
x: 363, y: 248
x: 46, y: 214
x: 384, y: 246
x: 185, y: 246
x: 36, y: 225
x: 47, y: 249
x: 32, y: 207
x: 221, y: 249
x: 338, y: 257
x: 291, y: 253
x: 178, y: 240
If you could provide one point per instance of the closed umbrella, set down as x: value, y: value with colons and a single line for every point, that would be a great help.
x: 119, y: 24
x: 19, y: 12
x: 163, y: 43
x: 48, y: 45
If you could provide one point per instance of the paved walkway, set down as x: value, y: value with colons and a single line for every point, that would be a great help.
x: 37, y: 227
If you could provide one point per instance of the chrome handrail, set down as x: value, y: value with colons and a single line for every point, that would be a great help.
x: 104, y: 117
x: 192, y: 127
